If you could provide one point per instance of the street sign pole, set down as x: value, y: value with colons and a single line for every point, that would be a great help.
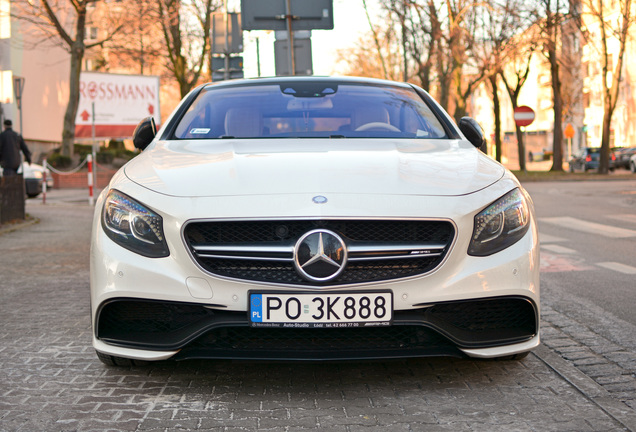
x: 258, y: 57
x: 226, y: 74
x: 524, y: 132
x: 290, y: 38
x: 94, y: 146
x: 569, y: 134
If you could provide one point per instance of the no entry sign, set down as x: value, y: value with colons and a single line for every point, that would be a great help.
x: 524, y: 115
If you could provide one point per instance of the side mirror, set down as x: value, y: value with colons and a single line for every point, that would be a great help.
x: 144, y: 133
x: 473, y: 132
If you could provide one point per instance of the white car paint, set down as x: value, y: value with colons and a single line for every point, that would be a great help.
x: 379, y: 166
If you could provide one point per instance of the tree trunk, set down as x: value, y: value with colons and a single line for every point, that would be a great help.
x: 610, y: 93
x: 460, y: 102
x: 77, y: 55
x: 603, y: 164
x: 496, y: 105
x: 557, y: 140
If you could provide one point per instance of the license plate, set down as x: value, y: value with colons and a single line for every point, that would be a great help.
x: 321, y: 309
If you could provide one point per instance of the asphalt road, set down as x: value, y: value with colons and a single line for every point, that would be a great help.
x: 579, y: 379
x: 588, y: 250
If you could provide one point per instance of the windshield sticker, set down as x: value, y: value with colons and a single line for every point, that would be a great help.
x: 196, y: 131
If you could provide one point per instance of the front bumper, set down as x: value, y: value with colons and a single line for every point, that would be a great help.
x: 152, y: 309
x: 195, y: 331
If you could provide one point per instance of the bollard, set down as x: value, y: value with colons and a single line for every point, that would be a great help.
x: 44, y: 183
x: 89, y: 158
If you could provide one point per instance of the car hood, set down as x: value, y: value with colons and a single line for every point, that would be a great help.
x: 199, y: 168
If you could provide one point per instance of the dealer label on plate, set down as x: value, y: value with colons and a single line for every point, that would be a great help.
x: 321, y: 309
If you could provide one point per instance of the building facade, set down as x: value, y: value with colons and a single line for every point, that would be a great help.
x: 44, y: 68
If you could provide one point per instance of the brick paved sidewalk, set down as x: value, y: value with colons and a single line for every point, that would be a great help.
x: 52, y: 381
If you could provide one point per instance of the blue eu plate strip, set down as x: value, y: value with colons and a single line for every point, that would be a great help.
x: 256, y: 308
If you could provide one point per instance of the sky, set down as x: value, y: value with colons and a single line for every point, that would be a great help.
x: 350, y: 23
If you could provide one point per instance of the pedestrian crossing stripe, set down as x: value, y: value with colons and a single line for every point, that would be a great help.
x: 621, y: 268
x: 589, y: 227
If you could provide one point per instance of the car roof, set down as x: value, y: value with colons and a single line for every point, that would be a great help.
x: 313, y: 78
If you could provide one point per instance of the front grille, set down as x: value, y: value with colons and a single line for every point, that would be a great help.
x: 262, y: 251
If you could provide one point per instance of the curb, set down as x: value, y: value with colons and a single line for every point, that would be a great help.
x: 7, y: 228
x: 588, y: 388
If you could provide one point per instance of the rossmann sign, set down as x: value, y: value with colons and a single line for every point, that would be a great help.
x: 117, y: 102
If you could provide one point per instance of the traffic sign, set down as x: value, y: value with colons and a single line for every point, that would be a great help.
x: 234, y: 33
x: 569, y: 131
x: 273, y: 14
x: 524, y: 115
x: 302, y: 53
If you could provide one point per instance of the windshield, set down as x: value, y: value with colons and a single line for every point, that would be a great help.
x: 308, y: 109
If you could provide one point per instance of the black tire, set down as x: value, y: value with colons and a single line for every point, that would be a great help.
x: 110, y: 360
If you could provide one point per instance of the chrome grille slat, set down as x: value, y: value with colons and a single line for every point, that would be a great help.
x: 390, y: 257
x: 356, y: 252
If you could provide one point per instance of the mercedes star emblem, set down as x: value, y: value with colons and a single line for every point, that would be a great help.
x: 320, y: 255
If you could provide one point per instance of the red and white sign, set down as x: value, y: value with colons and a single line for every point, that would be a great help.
x: 120, y: 103
x: 524, y: 115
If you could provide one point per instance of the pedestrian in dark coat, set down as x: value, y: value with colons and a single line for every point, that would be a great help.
x: 11, y: 143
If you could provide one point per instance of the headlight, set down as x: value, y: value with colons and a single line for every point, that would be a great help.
x: 133, y: 226
x: 500, y: 225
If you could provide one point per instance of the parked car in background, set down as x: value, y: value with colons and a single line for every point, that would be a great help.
x: 632, y: 163
x: 588, y: 158
x: 538, y: 156
x: 313, y: 218
x: 623, y: 156
x: 33, y: 178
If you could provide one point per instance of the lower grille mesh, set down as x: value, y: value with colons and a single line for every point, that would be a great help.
x: 486, y: 315
x: 309, y: 340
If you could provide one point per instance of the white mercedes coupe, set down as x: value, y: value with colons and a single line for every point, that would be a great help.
x: 309, y: 218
